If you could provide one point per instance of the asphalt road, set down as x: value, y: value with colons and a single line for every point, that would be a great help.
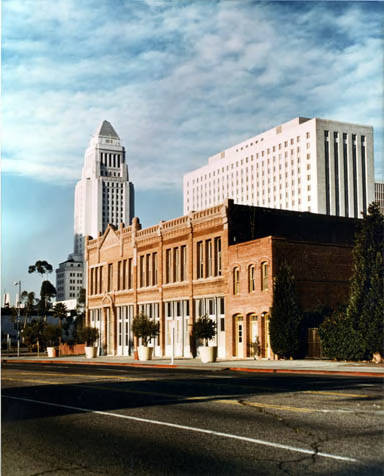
x: 85, y: 420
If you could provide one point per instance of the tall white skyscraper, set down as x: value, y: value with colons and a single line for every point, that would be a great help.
x: 103, y: 195
x: 315, y: 165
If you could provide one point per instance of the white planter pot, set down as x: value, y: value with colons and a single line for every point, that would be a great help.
x: 208, y: 353
x: 51, y: 351
x: 90, y: 352
x: 145, y: 353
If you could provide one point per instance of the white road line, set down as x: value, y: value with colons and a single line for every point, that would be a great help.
x: 189, y: 428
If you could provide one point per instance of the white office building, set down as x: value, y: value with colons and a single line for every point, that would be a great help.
x: 69, y: 279
x: 103, y: 195
x: 379, y: 195
x: 314, y: 165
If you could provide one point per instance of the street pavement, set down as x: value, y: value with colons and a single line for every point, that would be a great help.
x: 310, y: 366
x: 65, y: 419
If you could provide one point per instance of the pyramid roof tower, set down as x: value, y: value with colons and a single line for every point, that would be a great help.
x: 106, y: 129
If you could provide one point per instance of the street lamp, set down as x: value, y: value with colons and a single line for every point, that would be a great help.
x: 18, y: 304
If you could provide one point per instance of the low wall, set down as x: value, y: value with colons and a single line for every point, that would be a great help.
x: 75, y: 349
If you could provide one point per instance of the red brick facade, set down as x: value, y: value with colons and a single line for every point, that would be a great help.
x: 186, y: 267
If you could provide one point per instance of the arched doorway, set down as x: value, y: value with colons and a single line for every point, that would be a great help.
x: 107, y: 332
x: 253, y: 336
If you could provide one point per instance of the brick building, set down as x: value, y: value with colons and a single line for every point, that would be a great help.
x: 221, y: 262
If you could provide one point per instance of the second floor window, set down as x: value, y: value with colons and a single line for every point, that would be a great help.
x: 208, y: 258
x: 110, y: 276
x: 236, y: 281
x: 183, y: 263
x: 168, y: 258
x: 218, y: 256
x: 154, y: 269
x: 200, y: 260
x: 264, y: 276
x: 251, y: 279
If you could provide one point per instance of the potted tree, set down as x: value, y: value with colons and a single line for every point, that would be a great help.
x: 89, y: 336
x: 51, y: 335
x: 145, y: 329
x: 205, y: 329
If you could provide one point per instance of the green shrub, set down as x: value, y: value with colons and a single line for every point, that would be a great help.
x: 51, y: 335
x: 204, y: 328
x: 33, y: 333
x: 357, y: 332
x: 286, y: 315
x: 339, y: 339
x: 145, y: 328
x: 88, y: 335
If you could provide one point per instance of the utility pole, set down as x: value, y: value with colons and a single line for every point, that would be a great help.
x: 18, y: 304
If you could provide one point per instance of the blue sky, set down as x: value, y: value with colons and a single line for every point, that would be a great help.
x: 179, y: 81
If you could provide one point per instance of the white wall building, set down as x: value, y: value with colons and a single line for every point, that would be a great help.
x: 103, y: 195
x: 69, y: 279
x: 305, y: 164
x: 379, y: 195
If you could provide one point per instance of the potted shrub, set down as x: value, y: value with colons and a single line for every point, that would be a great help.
x: 205, y: 329
x: 89, y: 336
x: 51, y: 335
x: 145, y: 329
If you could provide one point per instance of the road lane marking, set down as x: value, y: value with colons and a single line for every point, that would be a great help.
x: 337, y: 394
x: 190, y: 428
x: 287, y: 408
x: 93, y: 377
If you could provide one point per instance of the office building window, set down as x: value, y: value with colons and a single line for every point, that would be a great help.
x: 326, y: 157
x: 363, y: 177
x: 354, y: 170
x: 345, y: 161
x: 336, y: 164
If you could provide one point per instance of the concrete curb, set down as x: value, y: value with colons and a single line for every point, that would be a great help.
x: 345, y: 373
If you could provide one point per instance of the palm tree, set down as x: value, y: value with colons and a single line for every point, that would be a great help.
x: 29, y: 300
x: 60, y: 311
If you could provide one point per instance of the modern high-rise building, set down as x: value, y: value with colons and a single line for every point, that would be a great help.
x: 379, y: 195
x: 103, y: 195
x: 69, y: 279
x: 315, y: 165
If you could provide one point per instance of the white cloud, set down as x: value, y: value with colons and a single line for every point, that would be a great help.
x: 230, y: 72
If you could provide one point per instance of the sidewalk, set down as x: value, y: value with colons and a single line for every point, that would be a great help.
x: 304, y: 366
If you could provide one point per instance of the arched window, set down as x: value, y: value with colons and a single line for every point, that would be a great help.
x: 236, y: 281
x: 251, y: 278
x: 264, y: 275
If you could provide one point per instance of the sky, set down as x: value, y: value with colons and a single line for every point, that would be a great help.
x: 179, y: 81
